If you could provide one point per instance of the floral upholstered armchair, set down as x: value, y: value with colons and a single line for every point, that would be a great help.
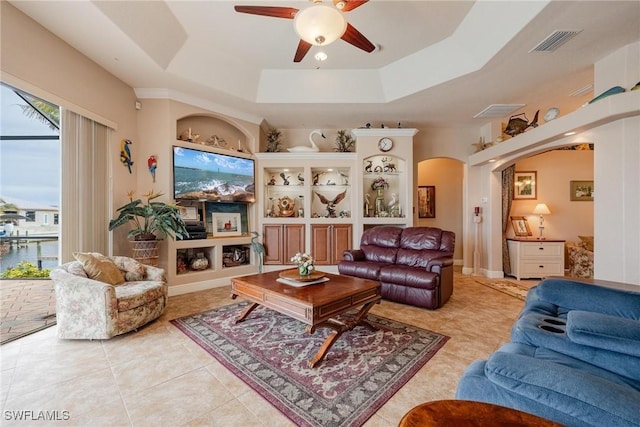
x: 99, y: 297
x: 580, y: 256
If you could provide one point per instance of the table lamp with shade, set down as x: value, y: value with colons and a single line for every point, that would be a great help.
x: 541, y: 209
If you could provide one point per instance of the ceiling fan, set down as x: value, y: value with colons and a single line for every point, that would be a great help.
x: 318, y: 24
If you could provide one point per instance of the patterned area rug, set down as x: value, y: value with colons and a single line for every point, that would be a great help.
x: 270, y: 351
x: 510, y: 288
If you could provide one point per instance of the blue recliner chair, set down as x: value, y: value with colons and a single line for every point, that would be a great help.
x: 574, y: 356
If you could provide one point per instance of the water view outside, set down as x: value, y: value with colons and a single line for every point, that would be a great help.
x: 30, y: 254
x: 29, y: 181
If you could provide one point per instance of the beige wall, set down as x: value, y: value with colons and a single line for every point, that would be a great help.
x: 447, y: 176
x: 40, y: 63
x: 555, y: 169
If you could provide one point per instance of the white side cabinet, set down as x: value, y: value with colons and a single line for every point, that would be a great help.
x: 536, y: 258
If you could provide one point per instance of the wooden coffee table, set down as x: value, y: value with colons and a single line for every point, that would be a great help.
x: 316, y: 305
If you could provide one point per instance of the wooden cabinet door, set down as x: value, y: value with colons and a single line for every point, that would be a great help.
x: 281, y: 242
x: 272, y: 241
x: 321, y: 243
x: 329, y: 241
x: 341, y: 240
x: 293, y: 241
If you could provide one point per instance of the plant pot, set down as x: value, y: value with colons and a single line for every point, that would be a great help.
x: 145, y: 237
x: 145, y: 251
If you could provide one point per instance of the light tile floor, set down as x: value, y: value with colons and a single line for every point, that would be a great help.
x: 159, y: 377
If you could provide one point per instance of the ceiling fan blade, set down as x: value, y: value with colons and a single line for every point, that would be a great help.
x: 303, y: 48
x: 350, y: 4
x: 355, y: 37
x: 273, y: 11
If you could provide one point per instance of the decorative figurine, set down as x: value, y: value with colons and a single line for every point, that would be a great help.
x: 285, y: 179
x: 125, y: 153
x: 286, y: 206
x: 368, y: 166
x: 331, y: 204
x: 216, y: 141
x: 152, y: 163
x: 258, y: 248
x: 517, y: 125
x: 388, y: 166
x: 367, y: 204
x: 313, y: 147
x: 479, y: 145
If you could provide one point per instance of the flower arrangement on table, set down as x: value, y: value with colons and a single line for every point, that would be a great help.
x: 379, y: 184
x: 304, y: 262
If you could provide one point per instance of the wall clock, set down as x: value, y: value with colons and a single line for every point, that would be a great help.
x: 385, y: 144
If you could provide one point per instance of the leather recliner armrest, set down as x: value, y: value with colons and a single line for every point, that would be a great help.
x: 353, y: 255
x: 439, y: 262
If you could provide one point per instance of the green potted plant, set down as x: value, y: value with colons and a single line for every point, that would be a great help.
x: 148, y: 219
x: 273, y: 140
x: 344, y: 142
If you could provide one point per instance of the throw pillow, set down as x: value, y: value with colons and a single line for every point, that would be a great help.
x: 132, y: 269
x: 76, y: 269
x: 588, y: 242
x: 99, y: 267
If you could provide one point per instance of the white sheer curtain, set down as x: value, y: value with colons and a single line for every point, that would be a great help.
x: 85, y: 196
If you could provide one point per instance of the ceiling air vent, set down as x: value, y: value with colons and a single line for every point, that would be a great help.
x: 498, y: 110
x: 555, y: 40
x: 582, y: 91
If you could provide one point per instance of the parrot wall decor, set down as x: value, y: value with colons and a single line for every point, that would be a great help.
x: 125, y: 153
x: 152, y: 162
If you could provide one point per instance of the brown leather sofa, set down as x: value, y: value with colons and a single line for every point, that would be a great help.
x: 414, y: 265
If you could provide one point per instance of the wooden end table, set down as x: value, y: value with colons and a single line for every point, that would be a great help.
x: 466, y: 413
x: 316, y: 305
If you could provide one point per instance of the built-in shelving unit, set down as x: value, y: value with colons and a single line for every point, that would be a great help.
x: 607, y: 110
x: 317, y: 201
x: 227, y: 256
x: 395, y: 167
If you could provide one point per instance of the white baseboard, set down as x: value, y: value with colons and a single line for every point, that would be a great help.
x: 494, y: 274
x: 484, y: 272
x: 198, y: 286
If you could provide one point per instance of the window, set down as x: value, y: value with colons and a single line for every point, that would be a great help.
x: 45, y: 219
x: 56, y: 219
x: 31, y: 216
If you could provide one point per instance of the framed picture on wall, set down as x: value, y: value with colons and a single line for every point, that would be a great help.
x: 581, y: 191
x: 524, y: 185
x: 188, y: 212
x: 226, y: 224
x: 427, y: 201
x: 520, y: 226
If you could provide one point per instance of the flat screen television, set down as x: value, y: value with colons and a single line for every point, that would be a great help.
x: 202, y: 175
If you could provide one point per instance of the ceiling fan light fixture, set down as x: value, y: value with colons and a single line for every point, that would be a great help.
x: 321, y: 56
x: 320, y: 25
